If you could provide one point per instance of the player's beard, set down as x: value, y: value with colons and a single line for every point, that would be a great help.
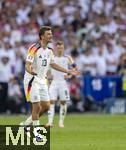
x: 47, y: 40
x: 50, y: 41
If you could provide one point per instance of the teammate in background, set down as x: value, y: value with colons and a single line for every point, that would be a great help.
x: 58, y: 87
x: 39, y: 59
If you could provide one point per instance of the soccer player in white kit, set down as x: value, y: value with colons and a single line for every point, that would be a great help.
x: 39, y: 59
x: 59, y: 87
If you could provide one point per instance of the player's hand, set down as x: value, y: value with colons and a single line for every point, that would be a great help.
x: 67, y: 76
x: 74, y: 72
x: 33, y: 72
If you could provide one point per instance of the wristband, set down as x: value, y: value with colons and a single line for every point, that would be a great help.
x: 73, y: 65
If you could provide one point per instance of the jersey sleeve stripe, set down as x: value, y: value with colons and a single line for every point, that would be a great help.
x: 31, y: 46
x: 33, y: 49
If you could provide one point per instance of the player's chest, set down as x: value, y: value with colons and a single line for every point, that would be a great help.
x: 43, y: 58
x: 61, y: 61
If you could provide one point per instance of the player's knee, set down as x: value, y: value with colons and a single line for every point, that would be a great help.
x: 48, y: 106
x: 52, y: 102
x: 62, y: 102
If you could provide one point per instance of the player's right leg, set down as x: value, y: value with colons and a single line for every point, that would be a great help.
x: 51, y: 113
x: 32, y: 95
x: 36, y: 108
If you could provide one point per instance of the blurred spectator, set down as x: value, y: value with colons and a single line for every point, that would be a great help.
x: 112, y: 60
x: 88, y: 62
x: 14, y: 96
x: 5, y: 76
x: 101, y: 62
x: 16, y: 35
x: 122, y: 71
x: 76, y: 95
x: 49, y: 2
x: 122, y: 64
x: 22, y: 13
x: 9, y: 52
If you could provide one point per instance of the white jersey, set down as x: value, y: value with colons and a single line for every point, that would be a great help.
x: 41, y: 59
x: 63, y: 61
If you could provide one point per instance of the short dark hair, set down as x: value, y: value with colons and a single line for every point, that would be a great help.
x: 59, y: 42
x: 43, y: 29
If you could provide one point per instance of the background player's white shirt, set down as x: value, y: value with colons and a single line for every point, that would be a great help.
x: 63, y: 61
x: 41, y: 59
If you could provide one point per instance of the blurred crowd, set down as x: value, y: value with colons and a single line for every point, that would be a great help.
x: 94, y: 32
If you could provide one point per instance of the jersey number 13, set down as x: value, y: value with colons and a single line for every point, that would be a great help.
x: 44, y: 62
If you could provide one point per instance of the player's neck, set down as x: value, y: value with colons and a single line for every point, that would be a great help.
x: 59, y: 55
x: 43, y: 44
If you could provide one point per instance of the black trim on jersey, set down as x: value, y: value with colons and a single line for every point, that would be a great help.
x: 30, y: 82
x: 37, y: 45
x: 50, y: 48
x: 73, y: 65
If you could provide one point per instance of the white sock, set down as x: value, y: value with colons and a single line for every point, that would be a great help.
x: 28, y: 121
x: 63, y: 110
x: 36, y: 122
x: 51, y: 113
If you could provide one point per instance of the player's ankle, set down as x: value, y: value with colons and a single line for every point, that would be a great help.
x: 50, y: 124
x: 36, y: 122
x: 61, y: 124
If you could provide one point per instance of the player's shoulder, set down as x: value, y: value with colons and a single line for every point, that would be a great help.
x: 51, y: 49
x: 69, y: 58
x: 34, y: 47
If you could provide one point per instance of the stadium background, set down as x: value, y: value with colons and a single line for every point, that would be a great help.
x: 94, y: 32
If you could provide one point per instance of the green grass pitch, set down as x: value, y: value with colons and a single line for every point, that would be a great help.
x: 84, y: 132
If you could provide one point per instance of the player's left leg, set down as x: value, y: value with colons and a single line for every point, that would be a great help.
x: 62, y: 113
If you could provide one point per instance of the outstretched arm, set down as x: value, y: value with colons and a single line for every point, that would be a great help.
x: 61, y: 69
